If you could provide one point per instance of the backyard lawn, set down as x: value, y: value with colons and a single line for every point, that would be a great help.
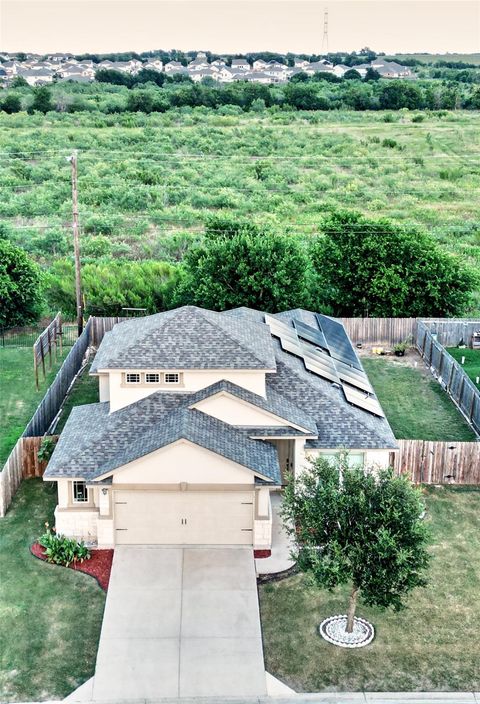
x: 85, y: 390
x: 472, y: 361
x: 416, y: 406
x: 18, y: 395
x: 50, y: 617
x: 432, y: 645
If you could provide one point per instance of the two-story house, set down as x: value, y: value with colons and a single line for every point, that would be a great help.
x: 201, y: 416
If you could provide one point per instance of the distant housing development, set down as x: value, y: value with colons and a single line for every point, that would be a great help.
x: 37, y: 70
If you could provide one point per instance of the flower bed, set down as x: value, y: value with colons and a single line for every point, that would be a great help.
x: 98, y: 566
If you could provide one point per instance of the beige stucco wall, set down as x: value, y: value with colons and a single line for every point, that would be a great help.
x: 373, y: 458
x: 183, y: 461
x: 103, y: 387
x: 123, y: 395
x: 234, y: 411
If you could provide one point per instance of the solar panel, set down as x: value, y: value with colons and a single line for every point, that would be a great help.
x: 291, y: 346
x: 338, y: 342
x: 367, y: 403
x: 306, y: 332
x: 353, y: 376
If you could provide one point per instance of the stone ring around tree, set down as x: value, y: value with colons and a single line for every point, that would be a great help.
x: 333, y: 630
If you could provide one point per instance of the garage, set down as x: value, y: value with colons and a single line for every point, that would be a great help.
x: 183, y: 517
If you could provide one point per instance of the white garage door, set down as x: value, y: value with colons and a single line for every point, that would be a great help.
x: 183, y: 517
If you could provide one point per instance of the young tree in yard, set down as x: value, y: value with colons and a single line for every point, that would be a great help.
x: 367, y: 267
x: 20, y: 286
x: 237, y: 264
x: 356, y: 527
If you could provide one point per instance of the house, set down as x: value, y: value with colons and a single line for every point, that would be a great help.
x: 259, y: 65
x: 37, y: 77
x: 201, y: 415
x: 239, y: 65
x: 391, y: 69
x: 174, y: 67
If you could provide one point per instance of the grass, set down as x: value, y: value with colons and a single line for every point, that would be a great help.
x: 416, y: 406
x: 19, y: 397
x: 472, y: 361
x: 432, y: 645
x: 50, y: 617
x: 139, y: 196
x: 85, y: 390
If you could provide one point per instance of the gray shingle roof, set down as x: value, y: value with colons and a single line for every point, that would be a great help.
x: 186, y: 338
x: 273, y: 403
x: 339, y: 424
x: 95, y: 441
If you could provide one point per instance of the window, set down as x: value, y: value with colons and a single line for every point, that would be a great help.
x: 172, y: 378
x: 152, y: 378
x: 133, y: 378
x: 80, y: 492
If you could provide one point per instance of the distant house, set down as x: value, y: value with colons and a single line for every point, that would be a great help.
x: 240, y: 65
x: 174, y: 67
x: 37, y: 77
x: 259, y: 65
x: 391, y: 69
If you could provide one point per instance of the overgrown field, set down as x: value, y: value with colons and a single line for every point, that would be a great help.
x: 147, y: 183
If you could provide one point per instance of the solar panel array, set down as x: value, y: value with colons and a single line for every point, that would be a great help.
x: 328, y: 353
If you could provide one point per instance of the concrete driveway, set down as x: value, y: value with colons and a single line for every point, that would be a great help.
x: 180, y: 622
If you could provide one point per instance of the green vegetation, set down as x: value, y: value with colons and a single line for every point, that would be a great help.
x: 19, y: 397
x: 432, y: 645
x: 472, y: 361
x: 339, y: 539
x: 148, y: 184
x: 84, y: 390
x: 50, y: 617
x: 415, y: 404
x: 373, y: 268
x: 19, y: 286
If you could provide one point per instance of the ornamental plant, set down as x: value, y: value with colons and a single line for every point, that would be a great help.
x: 357, y: 527
x: 60, y: 550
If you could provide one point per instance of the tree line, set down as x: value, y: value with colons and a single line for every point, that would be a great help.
x: 159, y: 93
x: 354, y: 266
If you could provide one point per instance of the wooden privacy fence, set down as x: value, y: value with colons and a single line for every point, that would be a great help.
x: 451, y: 376
x: 452, y: 331
x: 99, y: 326
x: 389, y: 331
x: 428, y: 462
x: 53, y: 399
x: 23, y: 463
x: 46, y: 344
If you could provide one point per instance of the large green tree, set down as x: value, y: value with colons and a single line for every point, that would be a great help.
x: 367, y: 267
x: 20, y: 286
x: 240, y: 264
x: 42, y: 100
x: 358, y: 528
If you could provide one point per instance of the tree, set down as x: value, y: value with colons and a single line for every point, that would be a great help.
x: 42, y: 101
x: 396, y: 95
x: 357, y: 527
x: 20, y: 286
x: 239, y: 264
x: 374, y: 268
x: 371, y: 75
x: 11, y: 104
x: 352, y: 75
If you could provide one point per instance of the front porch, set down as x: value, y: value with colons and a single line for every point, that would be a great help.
x: 280, y: 559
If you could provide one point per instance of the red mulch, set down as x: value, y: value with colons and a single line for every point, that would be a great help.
x: 262, y: 553
x: 99, y: 565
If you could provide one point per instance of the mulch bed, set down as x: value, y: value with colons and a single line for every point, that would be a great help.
x: 98, y: 566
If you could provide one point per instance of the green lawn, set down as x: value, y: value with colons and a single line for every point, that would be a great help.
x: 50, y: 617
x: 18, y: 395
x: 432, y: 645
x: 472, y: 361
x: 416, y: 406
x: 85, y: 390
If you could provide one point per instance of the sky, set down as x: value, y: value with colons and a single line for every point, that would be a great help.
x: 238, y: 26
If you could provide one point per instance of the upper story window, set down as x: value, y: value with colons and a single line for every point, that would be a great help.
x: 132, y: 378
x: 172, y: 378
x: 80, y: 492
x: 152, y: 378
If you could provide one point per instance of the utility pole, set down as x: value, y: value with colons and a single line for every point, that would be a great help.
x: 76, y: 243
x: 325, y: 32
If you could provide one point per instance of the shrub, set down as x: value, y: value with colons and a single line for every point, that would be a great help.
x: 60, y: 550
